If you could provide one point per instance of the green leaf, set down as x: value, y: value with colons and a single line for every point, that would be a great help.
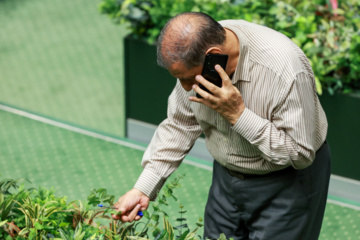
x: 163, y: 202
x: 63, y: 235
x: 161, y: 235
x: 181, y: 226
x: 63, y: 224
x: 156, y: 232
x: 169, y: 229
x: 38, y: 226
x: 146, y: 214
x: 222, y: 237
x: 191, y: 235
x: 168, y: 192
x: 165, y: 214
x: 155, y: 217
x: 24, y: 232
x: 199, y: 224
x: 296, y: 41
x: 3, y: 223
x: 112, y: 211
x: 136, y: 238
x: 125, y: 230
x: 282, y: 24
x: 183, y: 236
x: 156, y: 208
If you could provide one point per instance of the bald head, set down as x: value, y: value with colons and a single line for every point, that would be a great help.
x: 186, y: 37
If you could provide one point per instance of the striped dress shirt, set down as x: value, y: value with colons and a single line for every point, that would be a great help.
x: 283, y: 123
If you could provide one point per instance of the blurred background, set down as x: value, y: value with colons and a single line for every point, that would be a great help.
x: 76, y: 113
x: 63, y: 59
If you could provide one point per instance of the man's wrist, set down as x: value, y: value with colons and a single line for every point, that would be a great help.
x: 149, y: 184
x: 139, y: 192
x: 234, y: 119
x: 249, y: 125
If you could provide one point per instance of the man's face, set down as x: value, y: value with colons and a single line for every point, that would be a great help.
x: 186, y: 76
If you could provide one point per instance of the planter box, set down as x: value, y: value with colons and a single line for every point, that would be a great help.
x: 148, y: 87
x: 343, y: 114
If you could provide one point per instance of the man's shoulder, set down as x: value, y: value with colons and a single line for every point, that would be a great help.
x: 231, y: 23
x: 261, y: 40
x: 268, y: 47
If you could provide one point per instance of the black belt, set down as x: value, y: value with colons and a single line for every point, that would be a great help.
x: 245, y: 175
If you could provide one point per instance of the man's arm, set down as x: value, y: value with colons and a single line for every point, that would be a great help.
x: 172, y: 140
x: 293, y: 134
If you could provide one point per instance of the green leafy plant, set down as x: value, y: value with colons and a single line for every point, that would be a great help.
x: 329, y: 35
x: 8, y: 206
x: 329, y: 39
x: 146, y: 18
x: 29, y: 213
x: 79, y: 234
x: 37, y: 217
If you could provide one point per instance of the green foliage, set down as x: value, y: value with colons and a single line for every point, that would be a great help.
x: 39, y: 214
x: 330, y: 38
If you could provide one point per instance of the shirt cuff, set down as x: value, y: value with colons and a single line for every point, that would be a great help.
x: 249, y: 125
x: 149, y: 183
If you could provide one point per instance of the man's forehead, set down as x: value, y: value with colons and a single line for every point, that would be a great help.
x: 179, y: 70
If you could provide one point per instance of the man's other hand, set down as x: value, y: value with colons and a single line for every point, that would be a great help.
x: 130, y: 204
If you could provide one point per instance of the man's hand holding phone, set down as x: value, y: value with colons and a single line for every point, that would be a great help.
x: 226, y: 100
x: 209, y: 72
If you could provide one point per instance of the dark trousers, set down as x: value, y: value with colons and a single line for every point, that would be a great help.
x: 287, y: 205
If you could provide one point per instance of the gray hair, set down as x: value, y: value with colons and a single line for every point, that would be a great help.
x: 186, y: 37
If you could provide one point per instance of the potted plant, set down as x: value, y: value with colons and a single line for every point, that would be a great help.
x: 327, y: 31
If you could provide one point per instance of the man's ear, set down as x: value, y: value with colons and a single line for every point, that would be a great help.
x: 214, y: 50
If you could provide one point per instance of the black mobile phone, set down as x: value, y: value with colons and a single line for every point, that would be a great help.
x: 209, y: 72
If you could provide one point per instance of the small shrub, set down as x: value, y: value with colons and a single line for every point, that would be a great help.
x: 329, y: 35
x: 39, y: 214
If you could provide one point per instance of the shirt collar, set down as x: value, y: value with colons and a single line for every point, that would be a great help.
x: 242, y: 71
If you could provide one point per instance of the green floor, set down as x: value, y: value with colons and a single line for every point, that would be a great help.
x: 73, y: 163
x: 63, y: 59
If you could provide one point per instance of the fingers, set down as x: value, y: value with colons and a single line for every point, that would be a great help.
x: 208, y: 85
x: 118, y: 216
x: 130, y: 204
x: 223, y: 75
x: 132, y: 215
x: 144, y: 202
x: 115, y: 217
x: 128, y: 217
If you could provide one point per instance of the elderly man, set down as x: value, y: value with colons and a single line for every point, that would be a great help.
x: 264, y: 127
